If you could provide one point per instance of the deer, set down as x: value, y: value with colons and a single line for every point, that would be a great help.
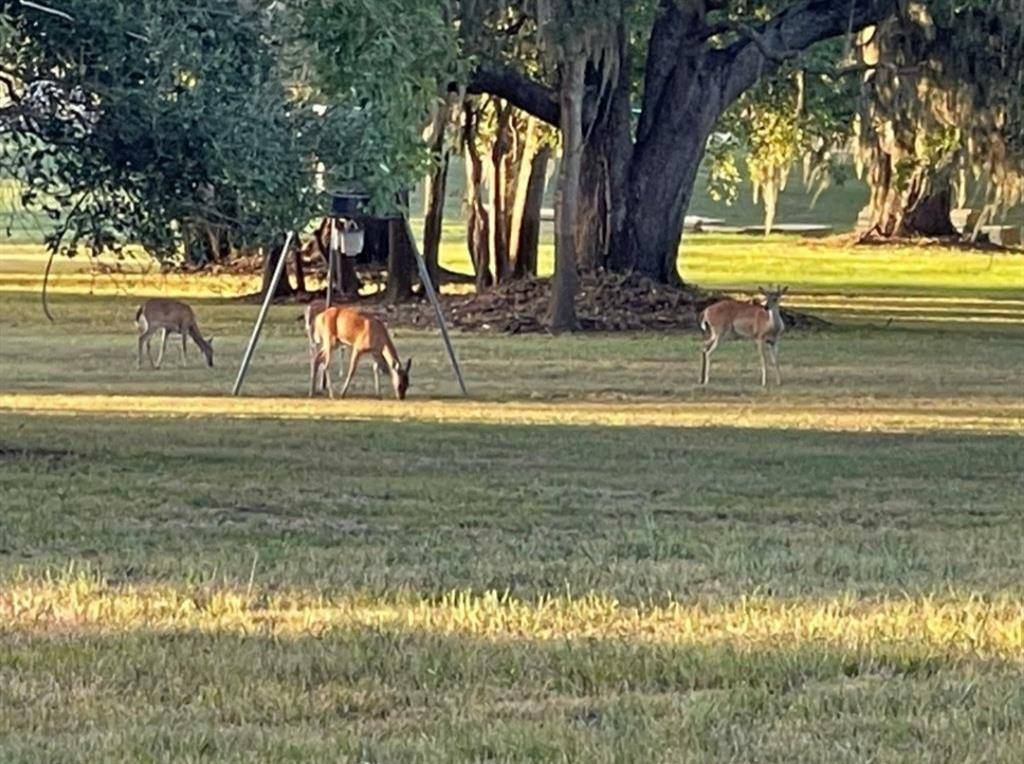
x: 363, y: 334
x: 731, y: 318
x: 161, y: 314
x: 313, y: 309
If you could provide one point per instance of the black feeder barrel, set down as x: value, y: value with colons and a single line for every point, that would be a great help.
x: 347, y: 205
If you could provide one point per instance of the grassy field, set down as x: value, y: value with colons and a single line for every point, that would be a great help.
x: 591, y: 559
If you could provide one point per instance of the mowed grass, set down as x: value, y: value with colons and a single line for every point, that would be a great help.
x: 591, y: 559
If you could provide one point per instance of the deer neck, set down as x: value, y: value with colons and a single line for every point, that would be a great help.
x: 200, y: 341
x: 390, y: 355
x: 775, y: 322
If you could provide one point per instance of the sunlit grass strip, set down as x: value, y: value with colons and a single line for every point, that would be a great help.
x: 852, y: 415
x: 136, y: 285
x: 990, y: 627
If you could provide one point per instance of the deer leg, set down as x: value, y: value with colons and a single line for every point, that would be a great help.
x: 184, y: 350
x: 773, y: 352
x: 764, y: 367
x: 353, y: 361
x: 314, y: 369
x: 326, y: 355
x: 144, y: 342
x: 148, y: 337
x: 705, y: 358
x: 379, y: 365
x: 341, y: 353
x: 163, y: 347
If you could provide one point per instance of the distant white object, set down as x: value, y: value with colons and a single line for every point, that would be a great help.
x: 805, y: 229
x: 1004, y: 235
x: 722, y: 229
x: 547, y: 213
x: 699, y: 222
x: 964, y: 219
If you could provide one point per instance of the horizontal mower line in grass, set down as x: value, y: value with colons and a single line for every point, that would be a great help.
x: 851, y: 415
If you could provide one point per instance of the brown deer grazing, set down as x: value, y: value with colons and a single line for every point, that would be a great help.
x: 160, y: 314
x: 362, y: 334
x: 731, y: 318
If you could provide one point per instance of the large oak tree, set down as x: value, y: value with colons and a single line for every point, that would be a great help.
x: 637, y: 179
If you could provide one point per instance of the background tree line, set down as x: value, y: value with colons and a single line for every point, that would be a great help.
x: 203, y: 129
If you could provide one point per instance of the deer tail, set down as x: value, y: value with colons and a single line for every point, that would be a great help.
x: 138, y: 314
x: 704, y: 325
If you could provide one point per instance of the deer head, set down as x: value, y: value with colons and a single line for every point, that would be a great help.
x: 772, y: 297
x: 400, y: 378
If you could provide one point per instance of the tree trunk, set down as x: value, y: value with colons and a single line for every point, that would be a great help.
x: 434, y: 190
x: 527, y: 229
x: 930, y: 216
x: 601, y: 225
x: 499, y: 192
x: 433, y: 222
x: 661, y: 183
x: 376, y: 233
x: 562, y: 313
x: 921, y: 209
x: 300, y: 273
x: 477, y: 226
x: 670, y: 144
x: 527, y: 151
x: 401, y: 263
x: 272, y: 254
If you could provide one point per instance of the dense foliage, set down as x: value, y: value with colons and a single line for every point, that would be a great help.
x: 153, y: 123
x: 214, y: 126
x: 381, y: 66
x: 942, y: 105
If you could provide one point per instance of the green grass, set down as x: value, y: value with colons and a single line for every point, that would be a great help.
x: 591, y: 560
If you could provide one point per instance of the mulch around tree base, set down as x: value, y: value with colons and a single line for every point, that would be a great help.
x: 606, y: 302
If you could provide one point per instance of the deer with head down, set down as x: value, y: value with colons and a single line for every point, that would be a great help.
x: 732, y: 318
x: 363, y: 335
x: 169, y: 317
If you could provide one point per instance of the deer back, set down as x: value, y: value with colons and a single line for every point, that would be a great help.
x: 345, y: 325
x: 741, y: 318
x: 163, y: 312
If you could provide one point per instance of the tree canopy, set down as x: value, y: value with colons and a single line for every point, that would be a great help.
x: 152, y: 123
x: 942, y: 104
x: 166, y: 124
x: 380, y: 66
x: 172, y: 126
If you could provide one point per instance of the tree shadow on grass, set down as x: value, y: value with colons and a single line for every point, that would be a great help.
x: 640, y: 513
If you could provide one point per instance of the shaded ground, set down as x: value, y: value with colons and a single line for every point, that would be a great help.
x: 606, y: 302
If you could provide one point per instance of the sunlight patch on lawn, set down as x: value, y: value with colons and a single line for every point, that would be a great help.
x: 986, y: 627
x: 978, y: 415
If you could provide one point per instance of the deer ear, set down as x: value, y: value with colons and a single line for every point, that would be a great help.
x: 408, y: 365
x: 784, y: 289
x: 209, y: 341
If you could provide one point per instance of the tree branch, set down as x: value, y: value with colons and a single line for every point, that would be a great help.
x: 774, y: 54
x: 516, y: 88
x: 788, y: 34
